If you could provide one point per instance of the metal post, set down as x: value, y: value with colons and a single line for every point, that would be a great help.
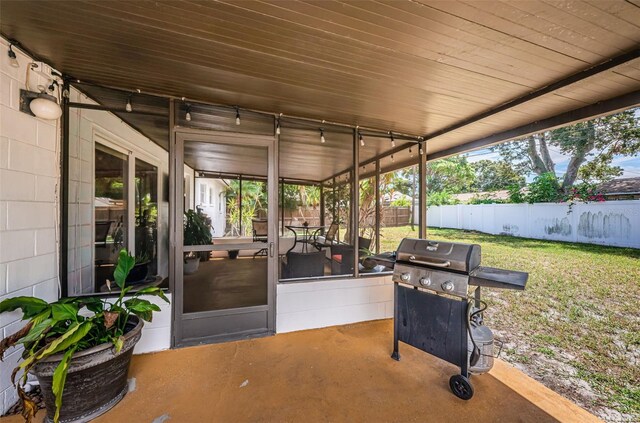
x: 322, y: 205
x: 355, y: 203
x: 239, y: 205
x: 64, y: 194
x: 378, y: 209
x: 422, y: 194
x: 282, y: 206
x: 173, y: 224
x: 333, y: 208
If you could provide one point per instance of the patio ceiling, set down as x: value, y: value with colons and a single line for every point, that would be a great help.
x: 420, y: 68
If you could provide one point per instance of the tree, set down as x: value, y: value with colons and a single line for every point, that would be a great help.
x: 453, y: 174
x: 591, y: 146
x: 493, y: 175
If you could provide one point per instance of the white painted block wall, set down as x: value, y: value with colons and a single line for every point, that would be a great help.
x: 331, y: 302
x: 29, y: 163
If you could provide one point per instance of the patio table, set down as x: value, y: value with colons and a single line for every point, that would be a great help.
x: 304, y: 234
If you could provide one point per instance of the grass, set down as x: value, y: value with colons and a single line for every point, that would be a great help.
x: 578, y: 319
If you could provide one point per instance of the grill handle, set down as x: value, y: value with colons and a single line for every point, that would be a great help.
x: 412, y: 259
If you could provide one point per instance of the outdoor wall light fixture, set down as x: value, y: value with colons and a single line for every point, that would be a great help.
x: 188, y: 115
x: 128, y: 107
x: 322, y: 140
x: 237, y: 115
x: 361, y: 140
x: 393, y: 141
x: 40, y: 105
x: 277, y: 126
x: 13, y: 60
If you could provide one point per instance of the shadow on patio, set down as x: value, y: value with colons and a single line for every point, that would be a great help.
x: 337, y: 374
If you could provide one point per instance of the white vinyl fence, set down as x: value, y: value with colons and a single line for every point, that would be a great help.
x: 614, y: 223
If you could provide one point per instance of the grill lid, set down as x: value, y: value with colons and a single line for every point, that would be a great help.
x: 439, y: 254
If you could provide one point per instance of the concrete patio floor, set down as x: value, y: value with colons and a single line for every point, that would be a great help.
x: 337, y: 374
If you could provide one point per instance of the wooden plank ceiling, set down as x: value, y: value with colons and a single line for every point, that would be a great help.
x: 413, y: 67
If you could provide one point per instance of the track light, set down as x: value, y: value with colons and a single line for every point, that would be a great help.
x: 322, y: 140
x: 361, y: 140
x: 237, y: 115
x: 393, y: 141
x: 188, y: 115
x: 128, y: 107
x: 13, y: 60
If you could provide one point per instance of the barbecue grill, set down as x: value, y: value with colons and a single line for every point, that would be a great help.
x: 433, y: 309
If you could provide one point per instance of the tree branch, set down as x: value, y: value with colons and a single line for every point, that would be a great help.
x: 537, y: 165
x: 544, y: 152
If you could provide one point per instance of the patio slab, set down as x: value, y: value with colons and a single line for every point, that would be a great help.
x: 337, y: 374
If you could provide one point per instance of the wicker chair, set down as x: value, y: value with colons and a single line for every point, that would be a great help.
x: 329, y: 237
x: 342, y: 259
x: 304, y: 265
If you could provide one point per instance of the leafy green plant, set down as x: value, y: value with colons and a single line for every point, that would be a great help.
x: 440, y: 198
x: 544, y: 189
x: 197, y: 231
x: 73, y: 324
x: 515, y: 194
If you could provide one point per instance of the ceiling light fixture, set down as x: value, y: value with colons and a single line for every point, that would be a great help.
x: 361, y: 140
x: 13, y: 60
x: 237, y: 115
x: 188, y: 115
x: 128, y: 107
x: 393, y: 141
x: 278, y: 126
x: 421, y: 151
x: 322, y: 140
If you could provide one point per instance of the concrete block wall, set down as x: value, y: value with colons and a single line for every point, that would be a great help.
x: 332, y: 302
x: 29, y: 176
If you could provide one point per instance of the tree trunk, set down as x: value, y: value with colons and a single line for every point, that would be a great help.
x: 544, y: 152
x: 537, y: 165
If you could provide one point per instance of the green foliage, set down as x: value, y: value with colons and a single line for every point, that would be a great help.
x: 493, y: 175
x: 74, y: 324
x: 401, y: 202
x: 453, y: 174
x: 544, y: 189
x: 516, y: 195
x: 441, y: 198
x: 197, y: 229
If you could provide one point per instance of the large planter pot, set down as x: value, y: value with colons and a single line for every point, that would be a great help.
x: 96, y: 379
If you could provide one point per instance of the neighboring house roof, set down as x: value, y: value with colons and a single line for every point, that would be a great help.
x: 489, y: 195
x: 620, y: 186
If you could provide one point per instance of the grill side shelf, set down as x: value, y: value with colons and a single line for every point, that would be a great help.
x: 492, y: 277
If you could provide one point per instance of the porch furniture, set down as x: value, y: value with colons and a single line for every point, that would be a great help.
x: 342, y: 256
x: 363, y: 244
x: 329, y: 237
x: 304, y: 234
x: 102, y: 231
x: 260, y: 234
x: 150, y: 281
x: 304, y: 265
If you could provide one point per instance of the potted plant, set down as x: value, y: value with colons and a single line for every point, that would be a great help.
x: 79, y: 348
x: 197, y: 230
x: 191, y: 263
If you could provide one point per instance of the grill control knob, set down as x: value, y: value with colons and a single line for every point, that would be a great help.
x: 425, y: 281
x: 447, y: 286
x: 405, y: 277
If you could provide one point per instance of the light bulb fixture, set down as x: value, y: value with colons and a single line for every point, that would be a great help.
x: 361, y: 140
x: 322, y: 140
x: 13, y: 60
x: 188, y: 115
x: 392, y: 159
x: 421, y: 151
x: 128, y: 107
x: 393, y: 141
x: 41, y: 105
x: 410, y: 152
x: 277, y: 126
x: 237, y: 115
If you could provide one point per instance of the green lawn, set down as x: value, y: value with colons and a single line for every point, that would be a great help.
x: 576, y: 327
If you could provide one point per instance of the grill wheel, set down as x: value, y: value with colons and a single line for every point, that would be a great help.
x: 461, y: 387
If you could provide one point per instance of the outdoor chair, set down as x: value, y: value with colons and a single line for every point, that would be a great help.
x: 260, y: 234
x: 342, y: 256
x: 363, y: 244
x: 329, y: 237
x: 304, y: 265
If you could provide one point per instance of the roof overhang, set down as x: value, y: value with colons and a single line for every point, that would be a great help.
x: 462, y: 75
